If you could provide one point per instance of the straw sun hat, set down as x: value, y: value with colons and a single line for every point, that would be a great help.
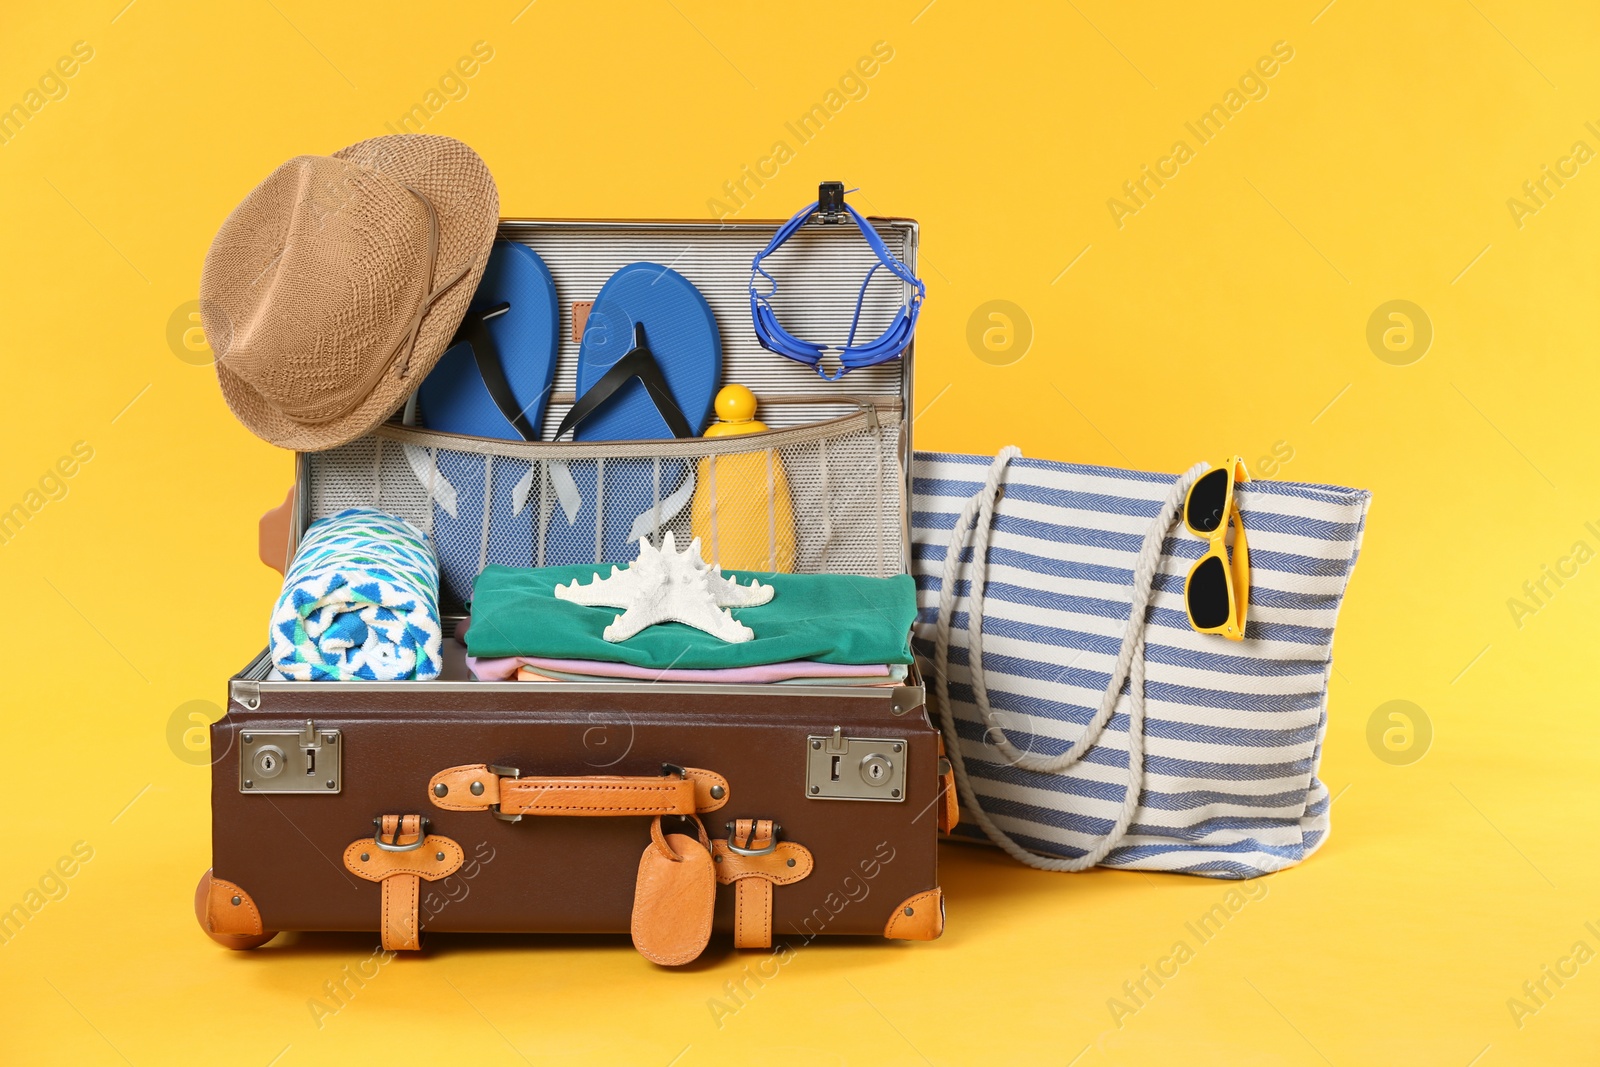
x: 337, y: 284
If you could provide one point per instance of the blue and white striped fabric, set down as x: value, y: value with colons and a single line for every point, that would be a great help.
x: 360, y: 603
x: 1233, y: 731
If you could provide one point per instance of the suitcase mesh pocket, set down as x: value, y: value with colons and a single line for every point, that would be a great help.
x: 827, y: 497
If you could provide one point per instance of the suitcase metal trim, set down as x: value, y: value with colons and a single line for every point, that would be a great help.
x: 247, y: 687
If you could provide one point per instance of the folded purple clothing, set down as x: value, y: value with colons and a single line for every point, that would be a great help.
x: 505, y: 669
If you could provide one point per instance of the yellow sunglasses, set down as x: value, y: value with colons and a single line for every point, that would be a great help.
x: 1217, y: 591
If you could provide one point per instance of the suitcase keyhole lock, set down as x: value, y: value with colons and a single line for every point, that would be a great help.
x: 269, y: 761
x: 290, y: 759
x: 875, y: 769
x: 855, y: 768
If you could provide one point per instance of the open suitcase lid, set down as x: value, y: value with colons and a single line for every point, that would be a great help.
x: 822, y: 269
x: 864, y: 489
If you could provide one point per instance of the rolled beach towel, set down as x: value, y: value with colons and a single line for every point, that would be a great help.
x: 360, y: 603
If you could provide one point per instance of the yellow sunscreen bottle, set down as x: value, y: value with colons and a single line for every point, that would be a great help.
x: 742, y: 511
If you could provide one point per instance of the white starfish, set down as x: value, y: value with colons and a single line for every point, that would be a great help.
x: 665, y: 585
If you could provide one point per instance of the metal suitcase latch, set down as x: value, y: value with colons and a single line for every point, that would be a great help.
x: 307, y: 760
x: 855, y: 768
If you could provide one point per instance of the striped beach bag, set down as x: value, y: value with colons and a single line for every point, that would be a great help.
x: 1087, y: 722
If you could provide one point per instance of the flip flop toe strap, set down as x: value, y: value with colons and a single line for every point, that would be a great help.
x: 638, y: 363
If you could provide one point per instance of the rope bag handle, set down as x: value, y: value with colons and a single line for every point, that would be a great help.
x: 975, y: 524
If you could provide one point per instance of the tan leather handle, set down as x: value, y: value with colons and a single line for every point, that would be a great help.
x: 504, y: 791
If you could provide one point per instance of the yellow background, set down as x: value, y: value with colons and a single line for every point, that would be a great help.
x: 1228, y: 314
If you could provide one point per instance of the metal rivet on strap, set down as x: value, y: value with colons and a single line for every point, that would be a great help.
x: 477, y: 789
x: 911, y: 911
x: 791, y: 863
x: 440, y: 790
x: 438, y: 855
x: 237, y: 902
x: 365, y: 856
x: 718, y: 859
x: 717, y: 792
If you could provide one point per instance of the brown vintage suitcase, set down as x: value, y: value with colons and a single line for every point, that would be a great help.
x: 550, y: 807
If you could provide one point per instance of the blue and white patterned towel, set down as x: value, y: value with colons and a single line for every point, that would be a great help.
x: 360, y: 602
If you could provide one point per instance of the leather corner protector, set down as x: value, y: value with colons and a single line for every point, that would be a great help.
x: 918, y: 918
x: 789, y: 862
x: 458, y: 783
x: 580, y: 318
x: 230, y: 910
x: 366, y: 860
x: 704, y: 783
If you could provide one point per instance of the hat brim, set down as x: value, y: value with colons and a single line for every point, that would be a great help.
x: 458, y: 183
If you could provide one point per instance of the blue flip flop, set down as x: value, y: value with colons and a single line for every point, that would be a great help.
x: 650, y: 362
x: 494, y: 380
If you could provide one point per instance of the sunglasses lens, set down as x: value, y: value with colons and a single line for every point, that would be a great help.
x: 1208, y: 498
x: 1207, y: 594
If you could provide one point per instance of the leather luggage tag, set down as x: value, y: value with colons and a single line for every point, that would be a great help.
x: 674, y: 897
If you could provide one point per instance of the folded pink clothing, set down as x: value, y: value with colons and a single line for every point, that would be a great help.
x: 505, y: 669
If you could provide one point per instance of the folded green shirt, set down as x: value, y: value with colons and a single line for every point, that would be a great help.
x: 834, y: 618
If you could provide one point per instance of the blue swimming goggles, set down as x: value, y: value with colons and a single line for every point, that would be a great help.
x: 831, y: 207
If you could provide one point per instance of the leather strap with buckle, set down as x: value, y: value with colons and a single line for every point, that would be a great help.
x: 506, y: 793
x: 398, y: 856
x: 754, y: 860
